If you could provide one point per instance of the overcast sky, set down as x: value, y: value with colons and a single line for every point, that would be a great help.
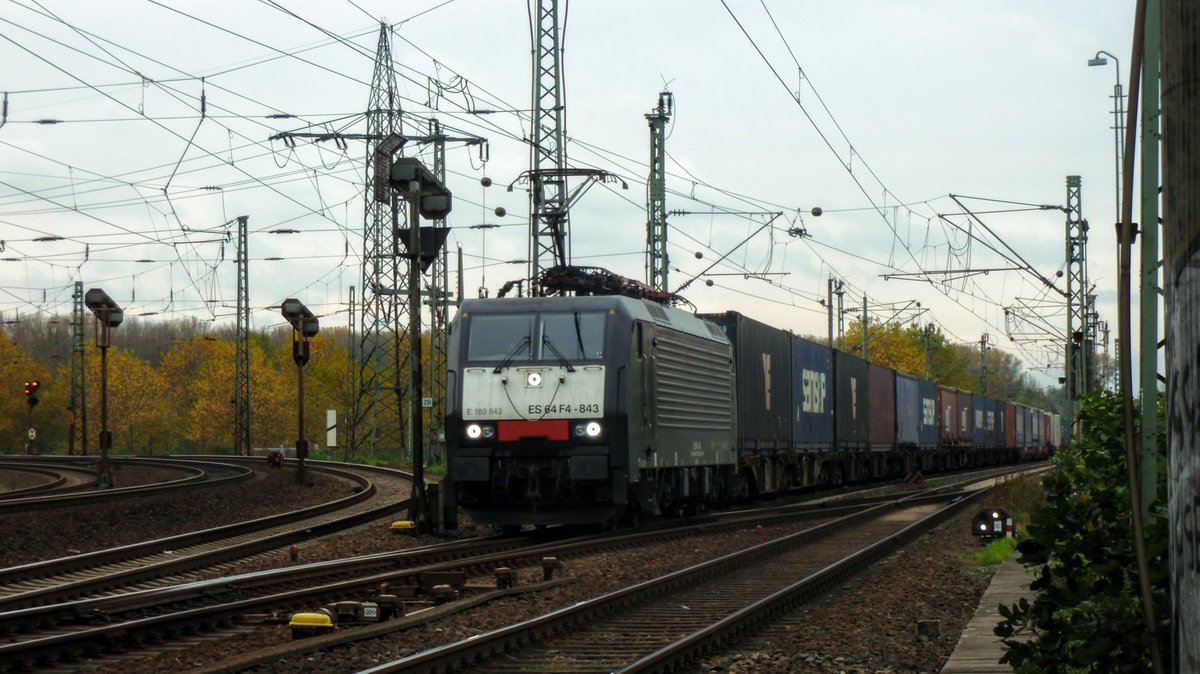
x: 875, y: 112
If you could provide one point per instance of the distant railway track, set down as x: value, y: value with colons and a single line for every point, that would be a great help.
x: 54, y: 479
x: 169, y: 560
x: 71, y: 629
x: 78, y: 479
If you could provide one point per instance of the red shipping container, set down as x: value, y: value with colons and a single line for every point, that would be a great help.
x: 881, y: 406
x: 947, y: 416
x: 1010, y: 425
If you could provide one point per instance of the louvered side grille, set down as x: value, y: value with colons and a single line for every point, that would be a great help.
x: 692, y: 387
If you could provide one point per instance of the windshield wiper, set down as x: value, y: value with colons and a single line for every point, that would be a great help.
x: 512, y: 354
x: 579, y: 335
x: 561, y: 360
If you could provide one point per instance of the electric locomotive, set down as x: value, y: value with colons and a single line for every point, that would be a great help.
x: 586, y: 409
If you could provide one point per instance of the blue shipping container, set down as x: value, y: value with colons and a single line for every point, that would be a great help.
x: 981, y: 434
x: 850, y: 391
x: 909, y: 412
x: 812, y: 395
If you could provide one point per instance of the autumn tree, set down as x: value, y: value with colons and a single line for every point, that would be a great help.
x: 199, y: 374
x: 16, y: 368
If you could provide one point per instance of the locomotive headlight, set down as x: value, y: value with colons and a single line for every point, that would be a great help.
x: 586, y: 429
x: 477, y: 431
x: 533, y: 379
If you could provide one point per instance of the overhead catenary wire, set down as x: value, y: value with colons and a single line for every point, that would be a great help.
x: 344, y: 229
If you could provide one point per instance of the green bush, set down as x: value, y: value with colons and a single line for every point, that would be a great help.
x: 1087, y: 615
x: 995, y: 552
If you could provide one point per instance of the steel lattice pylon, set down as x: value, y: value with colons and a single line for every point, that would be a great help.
x: 377, y: 426
x: 549, y: 240
x: 439, y: 306
x: 657, y: 261
x: 77, y: 411
x: 1077, y: 292
x: 241, y: 377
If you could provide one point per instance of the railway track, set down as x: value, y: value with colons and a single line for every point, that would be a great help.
x: 51, y: 479
x: 71, y: 630
x: 79, y: 479
x: 172, y: 560
x: 664, y: 623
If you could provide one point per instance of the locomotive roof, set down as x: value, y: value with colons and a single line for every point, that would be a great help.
x: 627, y: 307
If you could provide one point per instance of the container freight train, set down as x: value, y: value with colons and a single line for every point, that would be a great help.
x: 593, y: 409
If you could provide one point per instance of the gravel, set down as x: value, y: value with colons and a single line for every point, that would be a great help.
x: 867, y: 626
x: 52, y: 533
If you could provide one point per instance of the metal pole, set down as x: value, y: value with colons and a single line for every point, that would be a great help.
x: 928, y: 327
x: 1118, y: 123
x: 983, y: 368
x: 104, y: 469
x: 1149, y: 290
x: 829, y: 305
x: 300, y: 346
x: 418, y: 510
x: 863, y: 324
x: 841, y: 315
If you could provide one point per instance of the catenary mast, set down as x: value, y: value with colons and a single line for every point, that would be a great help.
x: 377, y: 426
x: 657, y: 260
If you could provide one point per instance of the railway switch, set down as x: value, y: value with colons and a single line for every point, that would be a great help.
x: 311, y: 624
x: 443, y: 593
x: 549, y: 566
x: 404, y: 527
x: 504, y: 577
x: 389, y: 606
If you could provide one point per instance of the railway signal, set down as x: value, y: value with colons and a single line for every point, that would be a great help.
x: 991, y: 523
x: 31, y: 388
x: 305, y: 325
x: 109, y: 315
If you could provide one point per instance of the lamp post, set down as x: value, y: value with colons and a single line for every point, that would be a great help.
x: 108, y: 315
x: 304, y: 326
x: 1118, y: 119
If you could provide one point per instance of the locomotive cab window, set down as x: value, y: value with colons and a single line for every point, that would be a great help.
x: 522, y: 337
x: 577, y: 336
x: 495, y: 336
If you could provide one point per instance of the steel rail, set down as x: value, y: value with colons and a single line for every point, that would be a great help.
x: 733, y: 626
x: 400, y: 567
x: 495, y: 552
x: 57, y: 483
x: 198, y: 477
x: 494, y: 643
x: 179, y: 562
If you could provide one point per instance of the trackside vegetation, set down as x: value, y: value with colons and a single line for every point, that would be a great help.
x: 1086, y: 616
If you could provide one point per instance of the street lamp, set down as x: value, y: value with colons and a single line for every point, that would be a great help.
x: 1118, y: 119
x: 304, y: 326
x: 108, y: 316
